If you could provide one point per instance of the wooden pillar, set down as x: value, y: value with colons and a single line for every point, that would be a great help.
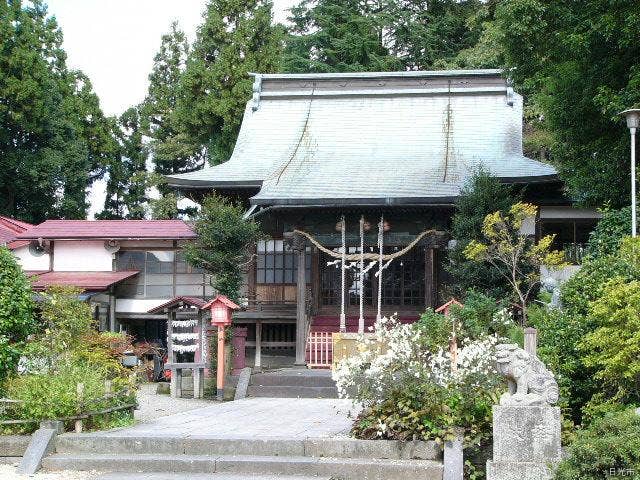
x: 430, y: 277
x: 112, y: 311
x: 301, y: 301
x: 257, y: 364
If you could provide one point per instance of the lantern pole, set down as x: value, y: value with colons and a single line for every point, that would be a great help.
x: 220, y: 364
x: 361, y: 318
x: 343, y: 267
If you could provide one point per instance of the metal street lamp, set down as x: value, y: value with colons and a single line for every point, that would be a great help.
x: 633, y: 122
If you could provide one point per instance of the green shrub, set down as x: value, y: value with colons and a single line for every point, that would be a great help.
x: 54, y: 394
x: 612, y: 349
x: 605, y: 239
x: 559, y: 334
x: 16, y: 312
x: 609, y: 448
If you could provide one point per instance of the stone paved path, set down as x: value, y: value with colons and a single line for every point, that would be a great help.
x: 152, y: 405
x: 293, y: 418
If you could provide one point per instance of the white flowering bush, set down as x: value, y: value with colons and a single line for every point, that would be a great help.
x: 410, y: 389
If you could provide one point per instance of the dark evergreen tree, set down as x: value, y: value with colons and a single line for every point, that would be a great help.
x: 125, y: 197
x: 171, y: 147
x: 54, y: 139
x: 579, y: 64
x: 338, y: 36
x: 235, y: 38
x: 482, y: 195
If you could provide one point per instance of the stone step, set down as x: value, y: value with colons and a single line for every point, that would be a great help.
x: 291, y: 391
x: 198, y: 476
x: 87, y: 443
x: 13, y: 445
x: 344, y: 468
x: 292, y: 380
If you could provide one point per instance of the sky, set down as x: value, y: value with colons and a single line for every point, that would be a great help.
x: 114, y: 41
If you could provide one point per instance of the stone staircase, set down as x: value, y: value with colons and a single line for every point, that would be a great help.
x: 293, y: 383
x: 225, y: 458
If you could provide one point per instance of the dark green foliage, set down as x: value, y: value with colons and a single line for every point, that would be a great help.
x: 609, y: 448
x: 53, y: 135
x: 481, y: 196
x: 559, y: 336
x: 338, y: 36
x: 125, y: 198
x: 579, y: 63
x: 173, y: 149
x: 224, y: 240
x: 16, y: 312
x: 612, y: 227
x: 235, y: 38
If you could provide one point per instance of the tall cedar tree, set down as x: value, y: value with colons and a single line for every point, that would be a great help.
x: 429, y: 34
x: 579, y: 62
x: 54, y: 139
x: 481, y: 196
x: 236, y: 38
x: 172, y: 148
x: 338, y: 36
x: 126, y: 198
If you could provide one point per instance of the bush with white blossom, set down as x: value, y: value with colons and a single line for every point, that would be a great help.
x: 410, y: 389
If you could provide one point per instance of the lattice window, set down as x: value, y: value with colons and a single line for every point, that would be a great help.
x: 278, y: 263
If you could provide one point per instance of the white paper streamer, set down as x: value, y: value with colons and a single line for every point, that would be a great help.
x: 181, y: 337
x: 185, y: 348
x: 184, y: 323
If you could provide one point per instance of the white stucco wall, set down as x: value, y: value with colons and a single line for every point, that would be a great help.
x: 81, y: 256
x: 31, y: 262
x: 130, y: 305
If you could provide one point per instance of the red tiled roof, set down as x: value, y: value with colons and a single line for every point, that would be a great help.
x: 193, y: 301
x: 92, y: 281
x: 224, y: 299
x: 10, y: 228
x: 109, y: 229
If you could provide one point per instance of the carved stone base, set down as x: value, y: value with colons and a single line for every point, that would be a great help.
x: 519, y: 471
x: 526, y: 443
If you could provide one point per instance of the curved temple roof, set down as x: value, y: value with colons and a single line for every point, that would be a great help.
x: 373, y: 138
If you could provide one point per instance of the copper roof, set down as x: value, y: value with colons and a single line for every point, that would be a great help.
x: 110, y: 229
x: 178, y: 301
x: 91, y: 281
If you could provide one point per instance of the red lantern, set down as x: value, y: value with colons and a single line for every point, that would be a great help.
x: 221, y: 310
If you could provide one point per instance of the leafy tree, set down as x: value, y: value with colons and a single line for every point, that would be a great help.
x: 482, y: 195
x: 579, y: 63
x: 606, y: 238
x: 172, y: 148
x: 429, y: 34
x: 338, y: 36
x: 16, y: 311
x: 54, y: 139
x: 236, y: 37
x: 224, y: 238
x: 515, y: 256
x: 125, y: 197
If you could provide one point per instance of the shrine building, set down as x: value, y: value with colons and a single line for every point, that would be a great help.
x: 389, y: 154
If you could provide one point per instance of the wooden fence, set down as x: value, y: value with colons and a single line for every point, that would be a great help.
x: 320, y: 349
x: 83, y: 411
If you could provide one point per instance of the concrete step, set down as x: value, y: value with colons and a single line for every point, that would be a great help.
x: 291, y: 392
x: 343, y: 468
x: 91, y: 443
x: 292, y: 380
x: 198, y: 476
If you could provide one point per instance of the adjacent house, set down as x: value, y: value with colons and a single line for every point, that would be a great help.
x: 396, y: 147
x: 124, y: 267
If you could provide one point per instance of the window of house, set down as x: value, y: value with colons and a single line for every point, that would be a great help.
x: 163, y: 273
x: 571, y: 236
x: 278, y: 263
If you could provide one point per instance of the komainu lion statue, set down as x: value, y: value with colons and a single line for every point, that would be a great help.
x: 530, y: 383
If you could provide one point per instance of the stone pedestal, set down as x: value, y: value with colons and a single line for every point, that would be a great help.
x: 526, y: 443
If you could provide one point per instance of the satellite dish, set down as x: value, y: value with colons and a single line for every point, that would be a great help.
x: 112, y: 246
x: 38, y: 247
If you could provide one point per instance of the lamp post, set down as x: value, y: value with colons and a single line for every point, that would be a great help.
x: 221, y: 310
x: 633, y: 122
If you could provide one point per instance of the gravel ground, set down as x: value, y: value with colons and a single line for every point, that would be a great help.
x: 8, y: 472
x: 152, y: 405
